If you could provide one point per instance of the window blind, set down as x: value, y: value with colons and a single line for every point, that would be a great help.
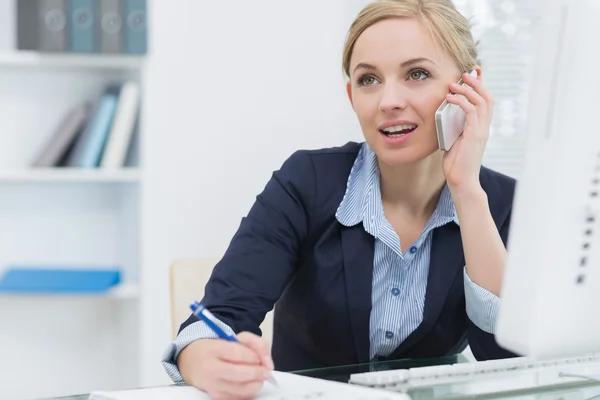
x: 506, y: 32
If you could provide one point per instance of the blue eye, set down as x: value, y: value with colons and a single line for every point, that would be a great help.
x: 367, y: 80
x: 418, y: 75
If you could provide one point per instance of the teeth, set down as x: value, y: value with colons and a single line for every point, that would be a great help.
x: 396, y: 135
x: 398, y: 128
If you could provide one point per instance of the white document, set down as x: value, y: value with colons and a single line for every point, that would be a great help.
x: 290, y: 387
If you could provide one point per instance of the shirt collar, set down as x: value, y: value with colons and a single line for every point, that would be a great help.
x: 362, y: 200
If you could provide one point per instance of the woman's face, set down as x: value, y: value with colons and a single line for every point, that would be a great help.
x: 398, y: 79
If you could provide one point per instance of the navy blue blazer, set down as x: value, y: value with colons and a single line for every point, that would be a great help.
x: 291, y: 251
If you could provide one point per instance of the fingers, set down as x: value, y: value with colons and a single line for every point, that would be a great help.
x: 462, y: 101
x: 467, y: 107
x: 234, y: 381
x: 259, y: 345
x: 471, y: 95
x: 223, y: 369
x: 239, y: 373
x: 479, y: 88
x: 474, y: 100
x: 236, y: 353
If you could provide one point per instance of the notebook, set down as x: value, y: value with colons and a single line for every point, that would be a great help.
x: 290, y: 387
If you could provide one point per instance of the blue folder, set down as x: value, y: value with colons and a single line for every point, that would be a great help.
x: 135, y: 27
x: 82, y: 26
x: 58, y: 280
x: 89, y: 147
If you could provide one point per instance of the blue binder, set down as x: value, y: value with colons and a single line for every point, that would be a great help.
x: 82, y: 20
x: 59, y: 280
x: 136, y: 30
x: 88, y: 149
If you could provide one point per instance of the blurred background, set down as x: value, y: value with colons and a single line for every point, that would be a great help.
x: 137, y: 132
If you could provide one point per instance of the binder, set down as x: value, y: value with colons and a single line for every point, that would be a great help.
x: 135, y: 34
x: 28, y: 28
x: 53, y: 25
x: 123, y: 126
x: 82, y: 27
x: 111, y: 26
x: 89, y: 147
x: 25, y: 279
x: 64, y: 136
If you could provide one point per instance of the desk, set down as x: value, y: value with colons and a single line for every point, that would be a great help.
x: 342, y: 374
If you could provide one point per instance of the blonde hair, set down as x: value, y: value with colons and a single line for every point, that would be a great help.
x: 448, y: 27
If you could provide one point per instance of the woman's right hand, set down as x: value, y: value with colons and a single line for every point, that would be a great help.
x: 227, y: 370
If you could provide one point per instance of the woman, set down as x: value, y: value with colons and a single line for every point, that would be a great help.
x: 382, y: 250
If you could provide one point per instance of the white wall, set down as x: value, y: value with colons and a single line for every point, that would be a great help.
x: 233, y: 88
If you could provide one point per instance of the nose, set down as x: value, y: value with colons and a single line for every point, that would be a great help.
x: 392, y: 98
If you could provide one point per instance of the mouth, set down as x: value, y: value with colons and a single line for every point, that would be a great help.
x: 398, y: 131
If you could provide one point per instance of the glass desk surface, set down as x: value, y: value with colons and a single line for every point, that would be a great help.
x: 588, y: 391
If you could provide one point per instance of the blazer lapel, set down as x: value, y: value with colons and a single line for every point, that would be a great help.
x: 447, y: 258
x: 358, y: 251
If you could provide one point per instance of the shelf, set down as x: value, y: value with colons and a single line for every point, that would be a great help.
x: 70, y: 175
x: 120, y: 292
x: 68, y: 60
x: 124, y: 291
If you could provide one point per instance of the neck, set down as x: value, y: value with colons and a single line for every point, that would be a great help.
x: 415, y: 188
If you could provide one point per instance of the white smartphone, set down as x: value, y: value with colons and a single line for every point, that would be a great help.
x: 450, y: 121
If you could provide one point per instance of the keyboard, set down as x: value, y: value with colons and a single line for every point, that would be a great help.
x: 487, y: 377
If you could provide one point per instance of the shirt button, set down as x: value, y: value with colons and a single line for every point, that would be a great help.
x: 395, y: 291
x: 413, y: 250
x: 389, y: 335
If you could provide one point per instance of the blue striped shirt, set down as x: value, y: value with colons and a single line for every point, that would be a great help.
x: 399, y: 279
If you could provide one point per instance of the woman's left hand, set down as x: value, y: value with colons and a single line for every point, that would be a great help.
x: 462, y: 162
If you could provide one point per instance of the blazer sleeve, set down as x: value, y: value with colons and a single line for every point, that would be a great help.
x: 263, y: 254
x: 483, y: 345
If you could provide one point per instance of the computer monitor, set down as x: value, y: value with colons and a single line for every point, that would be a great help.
x: 551, y: 289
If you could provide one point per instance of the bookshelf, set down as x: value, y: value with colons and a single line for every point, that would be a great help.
x: 72, y: 175
x: 31, y: 59
x: 60, y: 344
x: 69, y: 175
x: 120, y: 292
x: 67, y: 216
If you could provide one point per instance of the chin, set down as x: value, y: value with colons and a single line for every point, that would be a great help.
x: 395, y: 158
x: 403, y: 155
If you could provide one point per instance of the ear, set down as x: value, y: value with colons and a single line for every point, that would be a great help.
x: 349, y: 92
x: 477, y: 69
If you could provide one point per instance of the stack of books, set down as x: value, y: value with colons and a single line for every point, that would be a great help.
x: 96, y: 133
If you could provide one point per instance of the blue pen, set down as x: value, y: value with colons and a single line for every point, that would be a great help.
x: 201, y: 312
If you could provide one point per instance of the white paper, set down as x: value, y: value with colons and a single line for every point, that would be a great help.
x: 290, y: 387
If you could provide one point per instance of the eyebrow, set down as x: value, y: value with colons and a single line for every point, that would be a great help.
x: 405, y: 64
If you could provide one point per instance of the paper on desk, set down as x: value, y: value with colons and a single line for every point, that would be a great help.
x: 290, y: 387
